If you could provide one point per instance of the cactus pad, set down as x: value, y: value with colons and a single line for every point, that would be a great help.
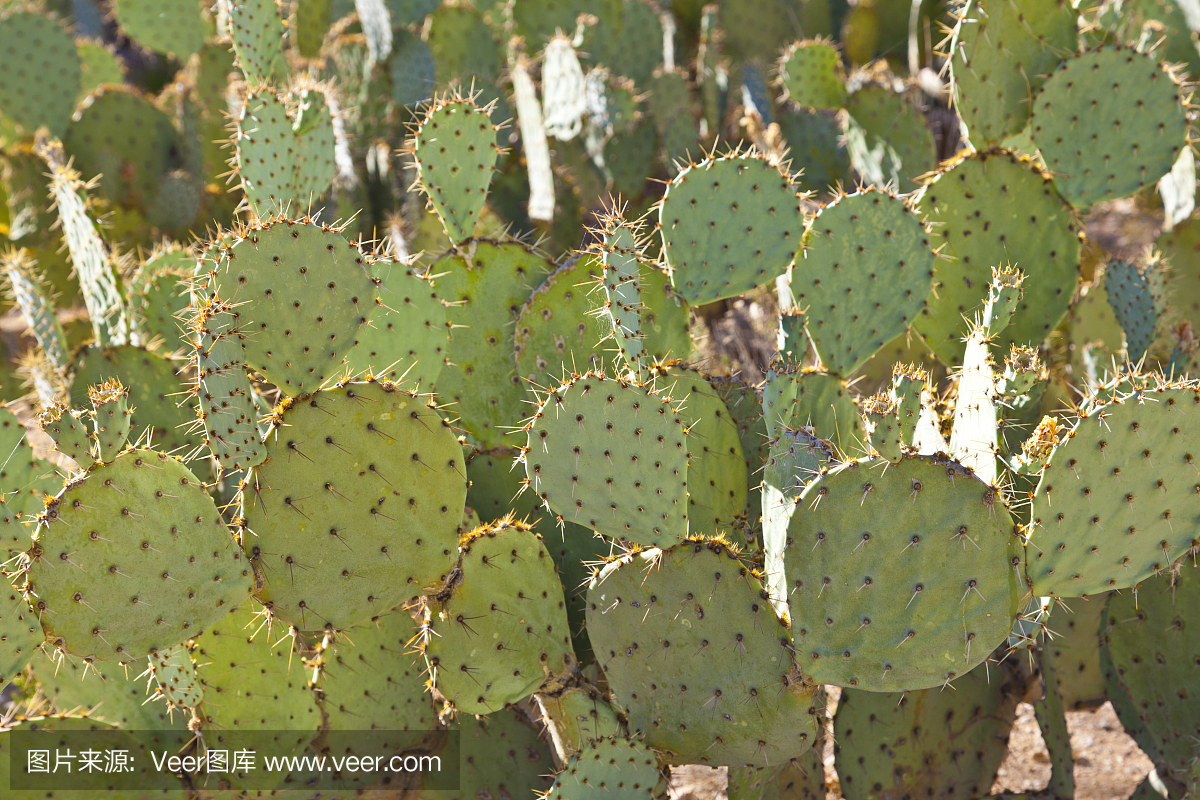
x: 300, y: 282
x: 695, y: 655
x: 606, y: 766
x: 933, y: 742
x: 115, y: 694
x: 612, y: 456
x: 864, y: 278
x: 1118, y: 501
x: 154, y: 390
x: 111, y: 418
x: 372, y: 681
x: 502, y: 756
x: 26, y: 481
x: 41, y: 91
x: 503, y: 631
x: 717, y: 477
x: 1143, y: 124
x: 158, y: 297
x: 173, y: 26
x: 123, y: 138
x: 798, y: 398
x: 486, y: 283
x: 887, y: 139
x: 253, y: 682
x: 1003, y: 52
x: 408, y: 335
x: 934, y: 541
x: 257, y: 32
x: 148, y: 561
x: 284, y: 155
x: 455, y: 153
x: 972, y: 207
x: 555, y: 334
x: 172, y: 677
x: 1153, y: 643
x: 357, y: 505
x: 811, y: 74
x: 728, y: 224
x: 20, y: 635
x: 1136, y: 293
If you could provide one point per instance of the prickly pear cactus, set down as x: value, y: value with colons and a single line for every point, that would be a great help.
x: 1117, y: 499
x: 149, y: 561
x: 728, y: 224
x: 930, y: 537
x: 625, y: 451
x: 332, y: 531
x: 664, y: 611
x: 502, y: 631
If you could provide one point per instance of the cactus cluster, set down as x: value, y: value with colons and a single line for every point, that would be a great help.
x: 361, y: 386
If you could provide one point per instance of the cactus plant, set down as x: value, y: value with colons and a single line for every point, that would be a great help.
x: 413, y: 423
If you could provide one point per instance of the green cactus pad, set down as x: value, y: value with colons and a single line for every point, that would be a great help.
x: 285, y: 155
x: 42, y: 75
x: 373, y: 681
x: 1073, y: 647
x: 70, y: 430
x: 611, y: 456
x: 463, y: 47
x: 728, y: 224
x: 798, y: 398
x: 503, y: 631
x: 502, y: 756
x: 1143, y: 124
x: 254, y: 680
x: 1181, y: 248
x: 496, y: 492
x: 1003, y: 53
x: 1153, y: 644
x: 158, y: 297
x: 696, y: 657
x: 746, y: 411
x: 300, y: 282
x: 148, y: 560
x: 1117, y: 503
x: 810, y: 74
x: 172, y: 677
x: 629, y: 159
x: 28, y: 294
x: 225, y: 398
x: 935, y: 742
x: 26, y: 482
x: 486, y: 283
x: 115, y: 694
x: 1136, y: 293
x: 111, y: 419
x: 455, y: 152
x: 814, y: 140
x: 412, y: 70
x: 664, y: 316
x: 717, y: 476
x: 120, y: 136
x: 155, y: 391
x: 406, y: 338
x: 174, y: 26
x: 900, y: 579
x: 864, y: 278
x: 606, y: 766
x: 99, y: 65
x: 257, y: 32
x: 357, y: 505
x: 886, y: 137
x: 21, y: 635
x: 555, y: 333
x: 972, y: 207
